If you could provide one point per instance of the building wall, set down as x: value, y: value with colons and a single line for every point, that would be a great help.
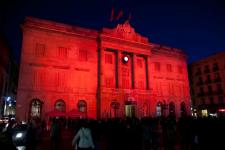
x: 64, y: 62
x: 208, y: 85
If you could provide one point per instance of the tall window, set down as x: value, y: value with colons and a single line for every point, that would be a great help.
x: 145, y: 110
x: 125, y: 83
x: 157, y: 66
x: 180, y: 69
x: 82, y: 106
x: 141, y: 84
x: 62, y: 52
x: 60, y: 105
x: 172, y: 108
x: 108, y: 59
x: 169, y: 67
x: 83, y: 55
x: 211, y: 100
x: 159, y: 109
x: 35, y: 110
x: 109, y: 82
x: 210, y: 89
x: 202, y: 101
x: 183, y: 109
x: 139, y: 63
x: 220, y: 99
x: 40, y: 50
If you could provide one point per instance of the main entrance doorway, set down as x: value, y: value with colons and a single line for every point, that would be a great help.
x: 130, y: 108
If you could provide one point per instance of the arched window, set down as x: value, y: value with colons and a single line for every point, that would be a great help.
x: 183, y: 109
x: 171, y: 108
x: 159, y: 109
x: 60, y: 105
x: 35, y: 108
x: 82, y: 106
x: 145, y: 110
x: 114, y: 106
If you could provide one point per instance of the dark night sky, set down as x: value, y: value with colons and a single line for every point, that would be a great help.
x: 196, y: 26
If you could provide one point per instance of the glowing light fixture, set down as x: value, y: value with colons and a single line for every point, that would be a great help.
x: 19, y: 135
x: 125, y: 59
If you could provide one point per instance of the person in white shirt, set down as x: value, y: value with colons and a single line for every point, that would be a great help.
x: 83, y: 139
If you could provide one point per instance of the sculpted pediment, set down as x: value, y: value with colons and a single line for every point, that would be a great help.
x: 125, y: 31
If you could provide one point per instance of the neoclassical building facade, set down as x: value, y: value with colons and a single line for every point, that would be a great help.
x: 107, y: 73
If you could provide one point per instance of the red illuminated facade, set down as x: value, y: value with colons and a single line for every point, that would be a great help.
x: 108, y: 73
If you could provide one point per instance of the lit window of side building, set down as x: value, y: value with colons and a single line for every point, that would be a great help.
x: 111, y: 73
x: 208, y: 85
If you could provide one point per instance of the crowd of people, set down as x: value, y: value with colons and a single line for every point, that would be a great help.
x: 148, y: 133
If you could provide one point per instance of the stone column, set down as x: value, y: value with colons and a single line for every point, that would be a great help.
x: 119, y: 68
x: 146, y: 71
x: 133, y: 70
x: 100, y: 81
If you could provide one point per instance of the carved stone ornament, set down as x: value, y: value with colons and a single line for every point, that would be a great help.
x: 126, y: 31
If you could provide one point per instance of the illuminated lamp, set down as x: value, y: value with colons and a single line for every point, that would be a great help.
x: 125, y: 59
x: 221, y: 110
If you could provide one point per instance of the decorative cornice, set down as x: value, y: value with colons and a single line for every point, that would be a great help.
x: 58, y: 27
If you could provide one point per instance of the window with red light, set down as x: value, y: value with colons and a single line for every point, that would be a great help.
x: 109, y: 82
x: 60, y: 105
x: 82, y: 55
x: 125, y: 83
x: 125, y: 72
x: 141, y: 84
x: 180, y: 69
x: 59, y: 79
x: 139, y: 63
x: 82, y: 106
x: 169, y: 67
x: 108, y: 59
x: 157, y: 66
x: 40, y: 50
x: 62, y: 52
x: 39, y: 79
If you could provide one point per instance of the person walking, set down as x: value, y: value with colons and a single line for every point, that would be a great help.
x: 83, y: 139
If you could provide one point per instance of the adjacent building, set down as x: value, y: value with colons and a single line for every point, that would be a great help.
x: 207, y: 78
x: 107, y: 73
x: 8, y: 80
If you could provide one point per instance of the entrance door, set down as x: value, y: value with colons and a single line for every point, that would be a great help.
x: 130, y: 110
